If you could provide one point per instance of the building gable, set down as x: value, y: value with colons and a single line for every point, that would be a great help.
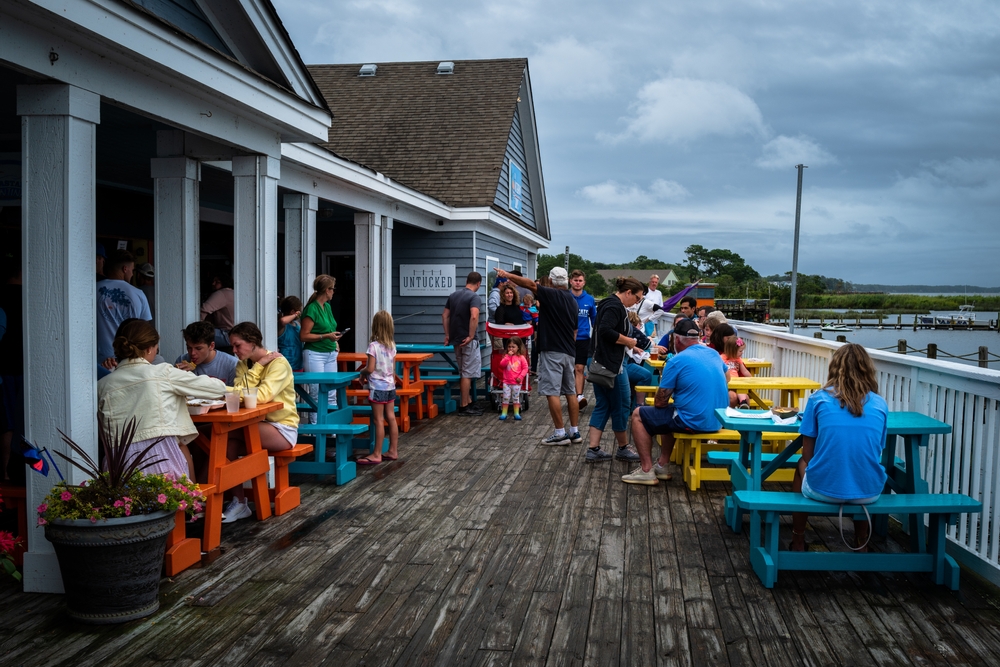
x: 515, y: 164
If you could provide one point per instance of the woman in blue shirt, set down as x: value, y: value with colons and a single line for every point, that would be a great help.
x: 843, y: 433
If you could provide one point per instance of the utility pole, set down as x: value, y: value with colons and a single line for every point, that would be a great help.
x: 566, y: 262
x: 795, y: 250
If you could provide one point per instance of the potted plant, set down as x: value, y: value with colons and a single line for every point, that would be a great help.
x: 7, y: 545
x: 109, y: 533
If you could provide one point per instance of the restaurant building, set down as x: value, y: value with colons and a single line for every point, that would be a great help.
x: 191, y: 133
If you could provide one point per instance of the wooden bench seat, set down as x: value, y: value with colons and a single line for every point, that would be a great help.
x: 284, y: 496
x: 345, y: 468
x: 690, y: 447
x: 183, y: 551
x: 404, y: 396
x: 448, y: 384
x: 767, y: 506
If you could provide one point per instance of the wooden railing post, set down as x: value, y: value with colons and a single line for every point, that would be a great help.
x: 984, y: 356
x: 901, y: 346
x: 932, y: 350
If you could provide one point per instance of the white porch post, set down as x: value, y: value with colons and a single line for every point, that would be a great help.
x: 367, y: 257
x: 300, y: 244
x: 176, y: 249
x: 386, y: 263
x: 58, y: 144
x: 255, y: 234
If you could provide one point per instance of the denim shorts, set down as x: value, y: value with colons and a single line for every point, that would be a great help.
x: 813, y: 494
x: 382, y: 396
x: 659, y: 421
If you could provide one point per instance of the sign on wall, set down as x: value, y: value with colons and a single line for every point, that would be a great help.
x: 515, y: 187
x: 426, y: 279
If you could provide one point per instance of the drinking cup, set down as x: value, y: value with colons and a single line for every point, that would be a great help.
x: 233, y: 401
x: 250, y: 397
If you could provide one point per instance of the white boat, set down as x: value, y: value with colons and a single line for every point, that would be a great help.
x: 833, y: 326
x: 963, y: 318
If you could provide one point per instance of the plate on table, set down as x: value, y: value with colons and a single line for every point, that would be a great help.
x: 199, y: 406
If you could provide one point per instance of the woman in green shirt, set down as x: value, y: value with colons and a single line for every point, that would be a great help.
x: 319, y: 335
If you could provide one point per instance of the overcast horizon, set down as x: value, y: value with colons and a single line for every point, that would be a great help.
x: 681, y: 124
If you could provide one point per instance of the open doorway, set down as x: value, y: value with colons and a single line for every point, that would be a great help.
x: 340, y: 265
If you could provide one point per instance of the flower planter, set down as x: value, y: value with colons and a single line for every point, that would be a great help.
x: 111, y: 568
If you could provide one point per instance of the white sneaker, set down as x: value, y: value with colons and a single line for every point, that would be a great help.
x: 661, y: 472
x: 637, y: 476
x: 235, y: 511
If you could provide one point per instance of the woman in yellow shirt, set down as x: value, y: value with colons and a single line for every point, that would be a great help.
x: 271, y: 374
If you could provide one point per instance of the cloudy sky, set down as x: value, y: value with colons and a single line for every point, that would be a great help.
x: 681, y: 122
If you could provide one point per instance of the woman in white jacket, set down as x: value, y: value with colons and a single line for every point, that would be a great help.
x: 155, y: 396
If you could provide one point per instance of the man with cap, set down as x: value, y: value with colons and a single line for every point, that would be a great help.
x: 696, y: 379
x: 557, y: 322
x: 144, y: 281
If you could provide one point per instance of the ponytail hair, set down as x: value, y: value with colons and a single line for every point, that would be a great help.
x: 632, y: 285
x: 133, y: 338
x: 322, y: 283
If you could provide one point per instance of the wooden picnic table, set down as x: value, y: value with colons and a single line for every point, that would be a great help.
x: 331, y: 421
x: 791, y: 389
x: 904, y: 476
x: 224, y: 474
x: 755, y: 366
x: 411, y: 386
x: 446, y: 352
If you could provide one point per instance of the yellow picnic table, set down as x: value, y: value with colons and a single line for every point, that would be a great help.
x: 791, y: 389
x: 756, y: 365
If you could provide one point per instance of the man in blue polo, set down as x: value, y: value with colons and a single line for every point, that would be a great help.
x: 585, y: 317
x: 696, y: 378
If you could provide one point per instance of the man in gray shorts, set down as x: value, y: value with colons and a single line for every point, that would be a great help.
x: 461, y: 320
x: 557, y: 321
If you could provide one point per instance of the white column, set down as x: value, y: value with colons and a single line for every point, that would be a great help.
x: 367, y: 257
x: 386, y: 263
x: 300, y: 244
x: 58, y: 144
x: 176, y: 249
x: 255, y: 234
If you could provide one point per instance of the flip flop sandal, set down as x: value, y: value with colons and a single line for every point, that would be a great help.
x: 367, y: 462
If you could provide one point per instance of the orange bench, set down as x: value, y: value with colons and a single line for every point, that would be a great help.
x: 284, y: 496
x: 184, y: 551
x: 404, y: 396
x: 16, y: 498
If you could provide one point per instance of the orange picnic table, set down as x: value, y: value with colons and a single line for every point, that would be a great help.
x: 408, y: 375
x: 223, y: 475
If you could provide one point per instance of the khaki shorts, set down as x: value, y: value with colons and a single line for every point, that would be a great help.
x: 556, y: 375
x: 470, y: 363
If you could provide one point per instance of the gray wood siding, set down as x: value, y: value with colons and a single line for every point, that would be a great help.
x: 411, y: 245
x: 187, y: 16
x: 505, y: 252
x: 515, y: 153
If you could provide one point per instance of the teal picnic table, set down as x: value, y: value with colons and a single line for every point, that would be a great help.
x: 331, y: 422
x: 904, y: 474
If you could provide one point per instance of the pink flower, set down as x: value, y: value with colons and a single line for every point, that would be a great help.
x: 183, y: 505
x: 198, y: 506
x: 42, y: 508
x: 118, y: 503
x: 128, y: 510
x: 7, y: 542
x: 162, y: 498
x: 93, y: 519
x: 65, y: 495
x: 41, y: 521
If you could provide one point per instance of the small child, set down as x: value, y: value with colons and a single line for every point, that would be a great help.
x: 289, y: 343
x: 732, y: 353
x: 515, y: 368
x: 381, y: 377
x: 529, y: 309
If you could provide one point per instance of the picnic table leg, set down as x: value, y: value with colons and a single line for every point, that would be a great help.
x: 915, y: 483
x: 346, y: 469
x: 764, y: 558
x: 261, y: 499
x: 750, y: 446
x: 946, y: 570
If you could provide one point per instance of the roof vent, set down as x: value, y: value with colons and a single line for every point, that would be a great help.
x: 447, y: 67
x: 368, y: 70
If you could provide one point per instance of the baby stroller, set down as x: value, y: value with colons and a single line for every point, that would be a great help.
x: 495, y: 381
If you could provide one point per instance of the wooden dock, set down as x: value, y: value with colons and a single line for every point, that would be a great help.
x: 482, y: 547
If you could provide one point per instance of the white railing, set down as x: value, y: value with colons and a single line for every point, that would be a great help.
x: 966, y: 461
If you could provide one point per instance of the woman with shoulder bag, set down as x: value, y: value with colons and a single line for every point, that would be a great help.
x: 611, y: 337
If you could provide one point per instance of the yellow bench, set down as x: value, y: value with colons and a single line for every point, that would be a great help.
x: 689, y: 449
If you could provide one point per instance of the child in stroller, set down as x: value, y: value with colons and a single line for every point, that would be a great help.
x: 511, y: 332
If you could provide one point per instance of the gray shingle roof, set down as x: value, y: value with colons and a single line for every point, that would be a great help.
x: 442, y: 135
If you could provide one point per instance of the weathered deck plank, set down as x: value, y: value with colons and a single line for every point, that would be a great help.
x: 482, y: 547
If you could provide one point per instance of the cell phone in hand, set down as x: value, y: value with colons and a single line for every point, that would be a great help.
x: 345, y: 331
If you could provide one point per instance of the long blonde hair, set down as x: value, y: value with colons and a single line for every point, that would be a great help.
x: 322, y: 283
x: 851, y: 376
x: 383, y: 330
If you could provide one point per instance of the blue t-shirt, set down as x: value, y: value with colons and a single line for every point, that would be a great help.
x: 847, y: 458
x: 290, y: 345
x: 697, y: 377
x: 222, y: 367
x: 586, y: 315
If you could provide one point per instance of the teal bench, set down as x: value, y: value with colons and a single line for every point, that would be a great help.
x: 345, y: 469
x: 730, y: 458
x: 767, y: 506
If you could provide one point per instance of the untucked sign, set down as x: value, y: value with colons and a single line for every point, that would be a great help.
x: 426, y: 279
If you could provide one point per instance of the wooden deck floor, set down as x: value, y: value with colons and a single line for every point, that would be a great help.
x: 482, y: 547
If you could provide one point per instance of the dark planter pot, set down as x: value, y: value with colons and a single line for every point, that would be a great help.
x: 111, y: 569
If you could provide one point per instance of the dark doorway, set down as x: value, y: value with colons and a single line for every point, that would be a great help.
x: 340, y: 265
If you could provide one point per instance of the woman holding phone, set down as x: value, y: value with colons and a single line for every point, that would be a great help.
x: 319, y: 335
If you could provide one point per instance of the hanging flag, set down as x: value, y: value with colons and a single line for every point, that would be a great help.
x: 676, y: 298
x: 34, y: 458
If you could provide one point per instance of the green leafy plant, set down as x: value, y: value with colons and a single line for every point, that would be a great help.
x: 121, y: 489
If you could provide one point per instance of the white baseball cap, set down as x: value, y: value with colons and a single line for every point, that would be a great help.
x: 558, y: 275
